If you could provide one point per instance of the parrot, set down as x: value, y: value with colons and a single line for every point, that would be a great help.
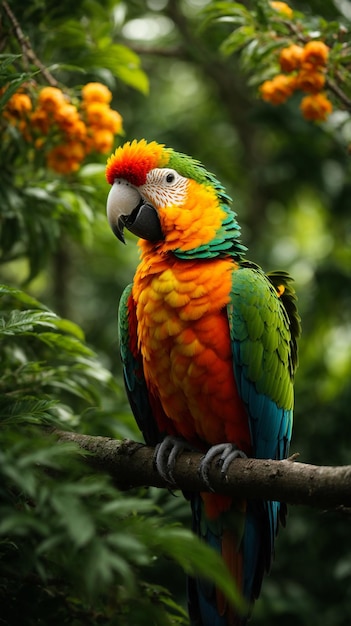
x: 208, y: 344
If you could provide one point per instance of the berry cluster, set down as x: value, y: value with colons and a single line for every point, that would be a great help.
x: 304, y: 69
x: 65, y: 131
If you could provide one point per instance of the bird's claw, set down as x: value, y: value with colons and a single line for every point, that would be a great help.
x: 166, y: 454
x: 227, y: 451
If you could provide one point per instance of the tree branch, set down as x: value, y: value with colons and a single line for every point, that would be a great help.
x: 131, y: 465
x: 338, y: 93
x: 27, y: 50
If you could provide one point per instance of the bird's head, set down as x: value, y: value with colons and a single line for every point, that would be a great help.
x: 169, y: 201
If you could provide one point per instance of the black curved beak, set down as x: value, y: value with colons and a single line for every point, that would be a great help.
x: 126, y: 208
x: 143, y: 222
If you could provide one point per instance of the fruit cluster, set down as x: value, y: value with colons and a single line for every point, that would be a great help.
x: 304, y: 69
x: 65, y: 131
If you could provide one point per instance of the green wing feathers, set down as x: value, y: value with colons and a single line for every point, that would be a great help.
x: 282, y: 283
x: 264, y: 328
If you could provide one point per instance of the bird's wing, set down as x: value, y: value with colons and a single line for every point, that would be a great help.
x: 142, y: 405
x: 264, y: 357
x: 263, y: 332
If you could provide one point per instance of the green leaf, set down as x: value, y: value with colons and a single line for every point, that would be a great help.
x: 70, y: 327
x: 74, y: 517
x: 62, y: 343
x: 134, y: 77
x: 20, y: 525
x: 237, y: 39
x: 26, y: 410
x: 127, y: 506
x: 197, y: 558
x: 231, y: 11
x: 20, y: 322
x: 122, y: 62
x: 21, y: 296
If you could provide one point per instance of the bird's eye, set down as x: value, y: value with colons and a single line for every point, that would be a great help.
x: 170, y: 177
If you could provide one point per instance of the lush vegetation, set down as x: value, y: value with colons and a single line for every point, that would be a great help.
x: 227, y: 83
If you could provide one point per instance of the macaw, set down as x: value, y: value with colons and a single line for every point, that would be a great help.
x: 209, y: 349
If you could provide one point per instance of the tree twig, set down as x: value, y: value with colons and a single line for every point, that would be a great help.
x: 27, y: 50
x: 338, y: 93
x: 131, y: 465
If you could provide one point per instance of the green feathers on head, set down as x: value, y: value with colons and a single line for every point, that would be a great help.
x: 227, y: 241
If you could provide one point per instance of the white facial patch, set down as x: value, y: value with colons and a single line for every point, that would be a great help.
x: 164, y: 187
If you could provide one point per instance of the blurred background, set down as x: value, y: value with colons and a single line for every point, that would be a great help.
x: 291, y: 189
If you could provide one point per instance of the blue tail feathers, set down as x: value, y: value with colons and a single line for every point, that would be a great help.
x: 244, y: 536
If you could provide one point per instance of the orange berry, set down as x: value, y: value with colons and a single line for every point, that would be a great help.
x: 50, y: 98
x: 282, y: 8
x: 75, y: 150
x: 279, y: 89
x: 316, y: 107
x: 290, y: 58
x: 311, y: 82
x: 96, y: 92
x: 102, y: 140
x: 66, y: 158
x: 78, y: 130
x: 19, y: 104
x: 97, y: 113
x: 40, y: 120
x: 113, y: 122
x: 67, y: 117
x: 316, y: 53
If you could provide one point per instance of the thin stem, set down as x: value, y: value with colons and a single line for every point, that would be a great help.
x: 27, y: 50
x: 335, y: 89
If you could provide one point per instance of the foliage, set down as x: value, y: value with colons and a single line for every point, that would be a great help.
x: 69, y: 543
x: 72, y: 547
x: 314, y: 52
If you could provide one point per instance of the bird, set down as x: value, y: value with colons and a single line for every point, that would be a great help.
x: 208, y: 344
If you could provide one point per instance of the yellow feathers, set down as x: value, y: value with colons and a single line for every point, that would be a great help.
x: 188, y: 226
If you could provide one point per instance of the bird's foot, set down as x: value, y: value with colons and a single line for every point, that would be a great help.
x: 227, y: 451
x: 166, y: 454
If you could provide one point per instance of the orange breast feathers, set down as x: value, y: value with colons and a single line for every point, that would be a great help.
x: 183, y: 335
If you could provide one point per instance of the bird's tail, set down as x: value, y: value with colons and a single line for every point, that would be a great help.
x: 243, y: 533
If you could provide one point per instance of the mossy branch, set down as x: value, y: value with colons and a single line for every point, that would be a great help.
x: 131, y: 465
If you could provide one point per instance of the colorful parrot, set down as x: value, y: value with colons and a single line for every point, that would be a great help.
x: 208, y: 345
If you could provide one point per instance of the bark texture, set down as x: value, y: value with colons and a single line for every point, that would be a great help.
x: 131, y: 465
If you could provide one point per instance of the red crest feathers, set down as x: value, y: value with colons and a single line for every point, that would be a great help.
x: 134, y: 160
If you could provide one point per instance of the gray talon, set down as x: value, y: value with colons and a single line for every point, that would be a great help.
x: 227, y: 451
x: 234, y: 454
x: 166, y: 454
